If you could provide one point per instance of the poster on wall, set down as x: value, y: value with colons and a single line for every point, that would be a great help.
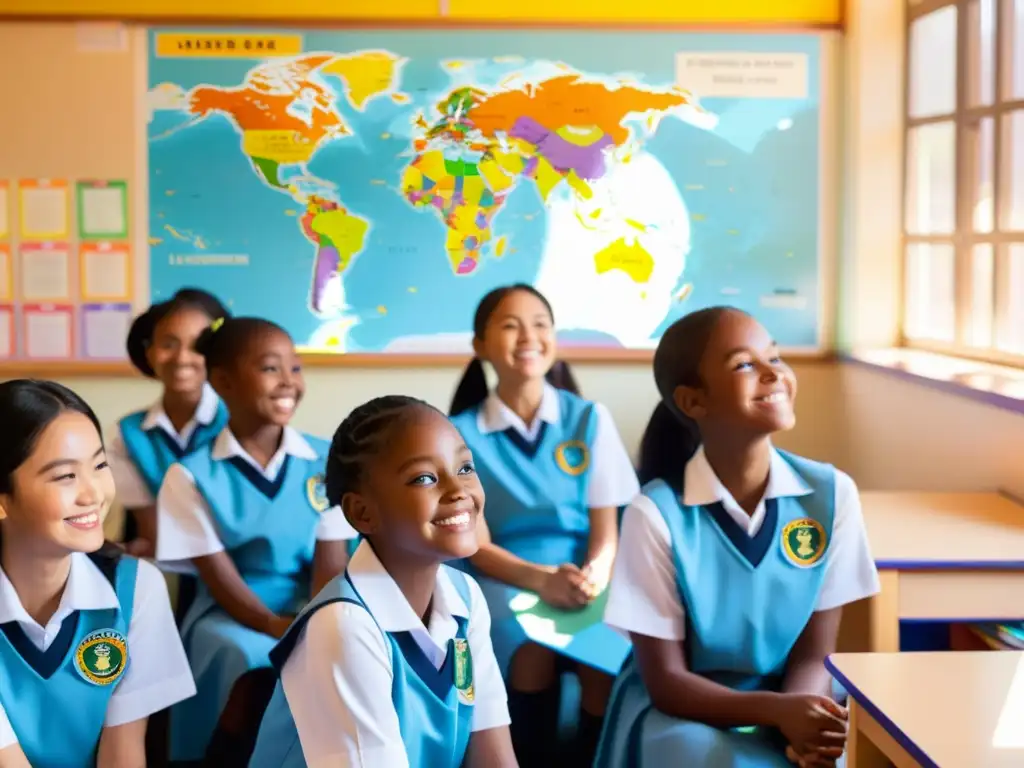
x: 365, y: 188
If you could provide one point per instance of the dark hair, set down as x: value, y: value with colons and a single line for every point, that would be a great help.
x: 361, y: 436
x: 27, y: 407
x: 472, y: 388
x: 222, y: 343
x: 671, y: 437
x: 140, y: 335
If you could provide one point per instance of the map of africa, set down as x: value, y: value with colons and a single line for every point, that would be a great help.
x: 364, y: 190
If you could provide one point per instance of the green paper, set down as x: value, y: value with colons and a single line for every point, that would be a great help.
x: 106, y: 218
x: 557, y: 622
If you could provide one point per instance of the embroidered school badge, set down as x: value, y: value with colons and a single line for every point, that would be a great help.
x: 804, y: 541
x: 572, y: 457
x: 464, y: 671
x: 102, y: 657
x: 316, y: 492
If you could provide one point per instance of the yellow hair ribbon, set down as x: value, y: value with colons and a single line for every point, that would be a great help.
x: 216, y: 324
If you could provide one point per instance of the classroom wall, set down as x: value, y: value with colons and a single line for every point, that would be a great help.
x: 76, y: 117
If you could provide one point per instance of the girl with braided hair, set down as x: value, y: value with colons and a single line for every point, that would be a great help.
x: 391, y: 664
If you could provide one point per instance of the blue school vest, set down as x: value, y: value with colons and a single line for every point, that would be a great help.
x: 747, y: 599
x: 267, y: 527
x: 434, y: 722
x: 152, y: 451
x: 537, y: 492
x: 56, y: 713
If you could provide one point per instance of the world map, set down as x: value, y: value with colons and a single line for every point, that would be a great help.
x: 366, y: 197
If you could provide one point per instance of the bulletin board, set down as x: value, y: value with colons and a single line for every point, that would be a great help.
x: 92, y: 231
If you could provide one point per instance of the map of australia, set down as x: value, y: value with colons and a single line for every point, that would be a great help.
x: 406, y: 187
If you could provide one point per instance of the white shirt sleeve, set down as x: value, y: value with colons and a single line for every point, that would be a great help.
x: 612, y: 480
x: 642, y: 595
x: 7, y: 734
x: 184, y: 526
x: 334, y: 527
x: 490, y: 709
x: 850, y: 572
x: 132, y: 491
x: 338, y: 686
x: 158, y: 673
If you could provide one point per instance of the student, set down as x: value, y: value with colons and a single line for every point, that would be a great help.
x: 391, y: 664
x: 188, y: 415
x: 88, y: 645
x: 555, y: 472
x: 733, y: 567
x: 250, y: 513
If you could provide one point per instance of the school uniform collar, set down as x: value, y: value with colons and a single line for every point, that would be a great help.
x: 205, y: 413
x: 388, y: 605
x: 702, y: 487
x: 87, y: 589
x: 226, y: 446
x: 495, y: 416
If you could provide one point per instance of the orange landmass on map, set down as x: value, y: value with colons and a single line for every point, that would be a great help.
x: 262, y: 102
x: 569, y: 100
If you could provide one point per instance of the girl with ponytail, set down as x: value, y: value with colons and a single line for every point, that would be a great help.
x: 734, y: 565
x: 188, y: 415
x: 555, y: 473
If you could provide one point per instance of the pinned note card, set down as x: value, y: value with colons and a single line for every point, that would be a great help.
x: 104, y: 329
x: 6, y: 332
x: 102, y: 210
x: 6, y: 273
x: 105, y: 269
x: 49, y: 331
x: 5, y: 208
x: 44, y: 209
x: 45, y: 272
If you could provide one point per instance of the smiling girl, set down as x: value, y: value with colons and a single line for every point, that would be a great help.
x: 555, y: 472
x: 733, y: 569
x: 391, y: 664
x: 187, y: 417
x: 249, y: 512
x: 88, y: 645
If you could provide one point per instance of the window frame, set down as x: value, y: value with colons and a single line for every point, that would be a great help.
x: 967, y: 120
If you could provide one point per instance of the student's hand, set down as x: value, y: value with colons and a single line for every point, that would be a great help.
x: 814, y: 726
x: 565, y: 588
x: 140, y: 548
x: 813, y: 760
x: 598, y: 572
x: 278, y: 625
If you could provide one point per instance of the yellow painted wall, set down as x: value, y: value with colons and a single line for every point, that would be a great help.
x: 590, y: 11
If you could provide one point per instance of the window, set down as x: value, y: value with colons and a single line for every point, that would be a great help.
x: 964, y: 178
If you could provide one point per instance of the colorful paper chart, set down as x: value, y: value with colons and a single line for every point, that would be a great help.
x: 102, y: 208
x: 49, y: 331
x: 5, y: 210
x: 45, y: 273
x: 6, y: 273
x: 104, y: 329
x: 43, y: 204
x: 105, y: 271
x: 7, y: 336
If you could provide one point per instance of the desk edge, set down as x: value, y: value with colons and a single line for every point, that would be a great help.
x: 888, y: 725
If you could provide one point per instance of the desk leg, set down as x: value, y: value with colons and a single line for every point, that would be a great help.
x: 884, y: 614
x: 860, y: 750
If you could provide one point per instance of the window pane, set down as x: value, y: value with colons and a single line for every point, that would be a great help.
x: 1011, y: 166
x: 933, y: 63
x: 982, y: 315
x: 981, y: 47
x: 931, y: 179
x: 929, y: 292
x: 982, y: 137
x: 1011, y: 331
x: 1015, y: 39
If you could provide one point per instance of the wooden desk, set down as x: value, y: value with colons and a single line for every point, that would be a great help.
x: 935, y: 710
x: 940, y: 556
